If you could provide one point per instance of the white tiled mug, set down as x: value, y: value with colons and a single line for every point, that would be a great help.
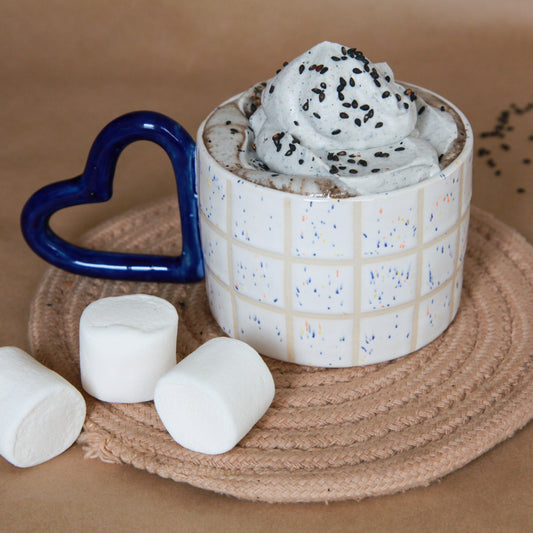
x: 329, y: 282
x: 334, y: 282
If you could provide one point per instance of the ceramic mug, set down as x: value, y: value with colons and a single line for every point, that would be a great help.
x: 330, y: 282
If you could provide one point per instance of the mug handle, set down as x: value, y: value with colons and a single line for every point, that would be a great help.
x: 95, y: 185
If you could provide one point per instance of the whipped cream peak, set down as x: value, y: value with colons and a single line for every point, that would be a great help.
x: 333, y: 97
x: 333, y: 113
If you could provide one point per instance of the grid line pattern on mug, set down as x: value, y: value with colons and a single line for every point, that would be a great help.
x: 264, y: 252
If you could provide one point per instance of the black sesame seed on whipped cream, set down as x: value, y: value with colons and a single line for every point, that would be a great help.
x: 332, y: 122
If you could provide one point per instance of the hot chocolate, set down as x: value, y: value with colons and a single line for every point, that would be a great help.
x: 332, y: 123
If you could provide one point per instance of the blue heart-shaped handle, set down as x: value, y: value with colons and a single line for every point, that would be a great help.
x: 95, y: 185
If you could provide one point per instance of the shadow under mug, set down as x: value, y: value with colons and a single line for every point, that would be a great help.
x: 330, y: 282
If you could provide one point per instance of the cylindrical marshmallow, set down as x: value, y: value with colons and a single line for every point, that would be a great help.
x: 41, y: 413
x: 211, y: 399
x: 126, y: 344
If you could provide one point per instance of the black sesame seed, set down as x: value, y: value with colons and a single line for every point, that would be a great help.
x: 335, y: 58
x: 228, y: 122
x: 357, y: 122
x: 353, y: 171
x: 379, y: 125
x: 323, y: 85
x: 374, y: 170
x: 399, y: 149
x: 483, y: 151
x: 491, y: 163
x: 271, y: 90
x: 365, y: 107
x: 442, y: 108
x: 526, y: 161
x: 381, y: 154
x: 422, y: 109
x: 316, y: 115
x: 342, y: 152
x: 330, y: 156
x: 316, y: 90
x: 335, y: 132
x: 505, y: 146
x: 301, y: 69
x: 346, y: 104
x: 321, y: 97
x: 323, y: 70
x: 342, y: 167
x: 300, y: 161
x: 340, y: 96
x: 296, y: 123
x: 387, y: 78
x: 305, y: 107
x: 385, y: 94
x: 333, y: 169
x: 398, y: 97
x: 350, y: 160
x: 362, y: 162
x: 343, y: 115
x: 406, y: 105
x: 276, y: 138
x: 520, y: 190
x: 234, y: 131
x: 354, y: 104
x: 357, y: 71
x: 352, y: 82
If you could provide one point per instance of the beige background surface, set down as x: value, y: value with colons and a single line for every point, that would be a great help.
x: 68, y: 68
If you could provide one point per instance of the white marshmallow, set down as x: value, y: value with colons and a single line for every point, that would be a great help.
x: 211, y: 399
x: 126, y: 344
x: 41, y: 413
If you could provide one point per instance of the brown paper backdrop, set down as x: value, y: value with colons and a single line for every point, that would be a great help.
x: 69, y: 67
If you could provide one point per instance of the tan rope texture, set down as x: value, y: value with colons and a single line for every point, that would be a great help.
x: 330, y: 434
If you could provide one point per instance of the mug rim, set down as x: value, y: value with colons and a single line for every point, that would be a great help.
x: 422, y: 184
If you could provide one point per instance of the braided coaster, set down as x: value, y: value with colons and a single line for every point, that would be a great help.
x: 330, y: 434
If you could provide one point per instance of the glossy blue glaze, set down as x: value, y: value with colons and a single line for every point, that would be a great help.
x: 96, y: 185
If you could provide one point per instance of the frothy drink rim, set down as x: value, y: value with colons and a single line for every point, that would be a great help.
x: 232, y: 163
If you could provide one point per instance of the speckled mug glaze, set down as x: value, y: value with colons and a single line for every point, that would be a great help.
x: 334, y: 282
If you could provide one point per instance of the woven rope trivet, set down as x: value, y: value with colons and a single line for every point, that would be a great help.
x: 330, y: 434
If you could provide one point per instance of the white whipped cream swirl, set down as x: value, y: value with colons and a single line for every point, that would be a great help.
x: 332, y: 113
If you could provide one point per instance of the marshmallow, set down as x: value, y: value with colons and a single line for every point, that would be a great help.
x: 211, y: 399
x: 41, y: 413
x: 126, y: 344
